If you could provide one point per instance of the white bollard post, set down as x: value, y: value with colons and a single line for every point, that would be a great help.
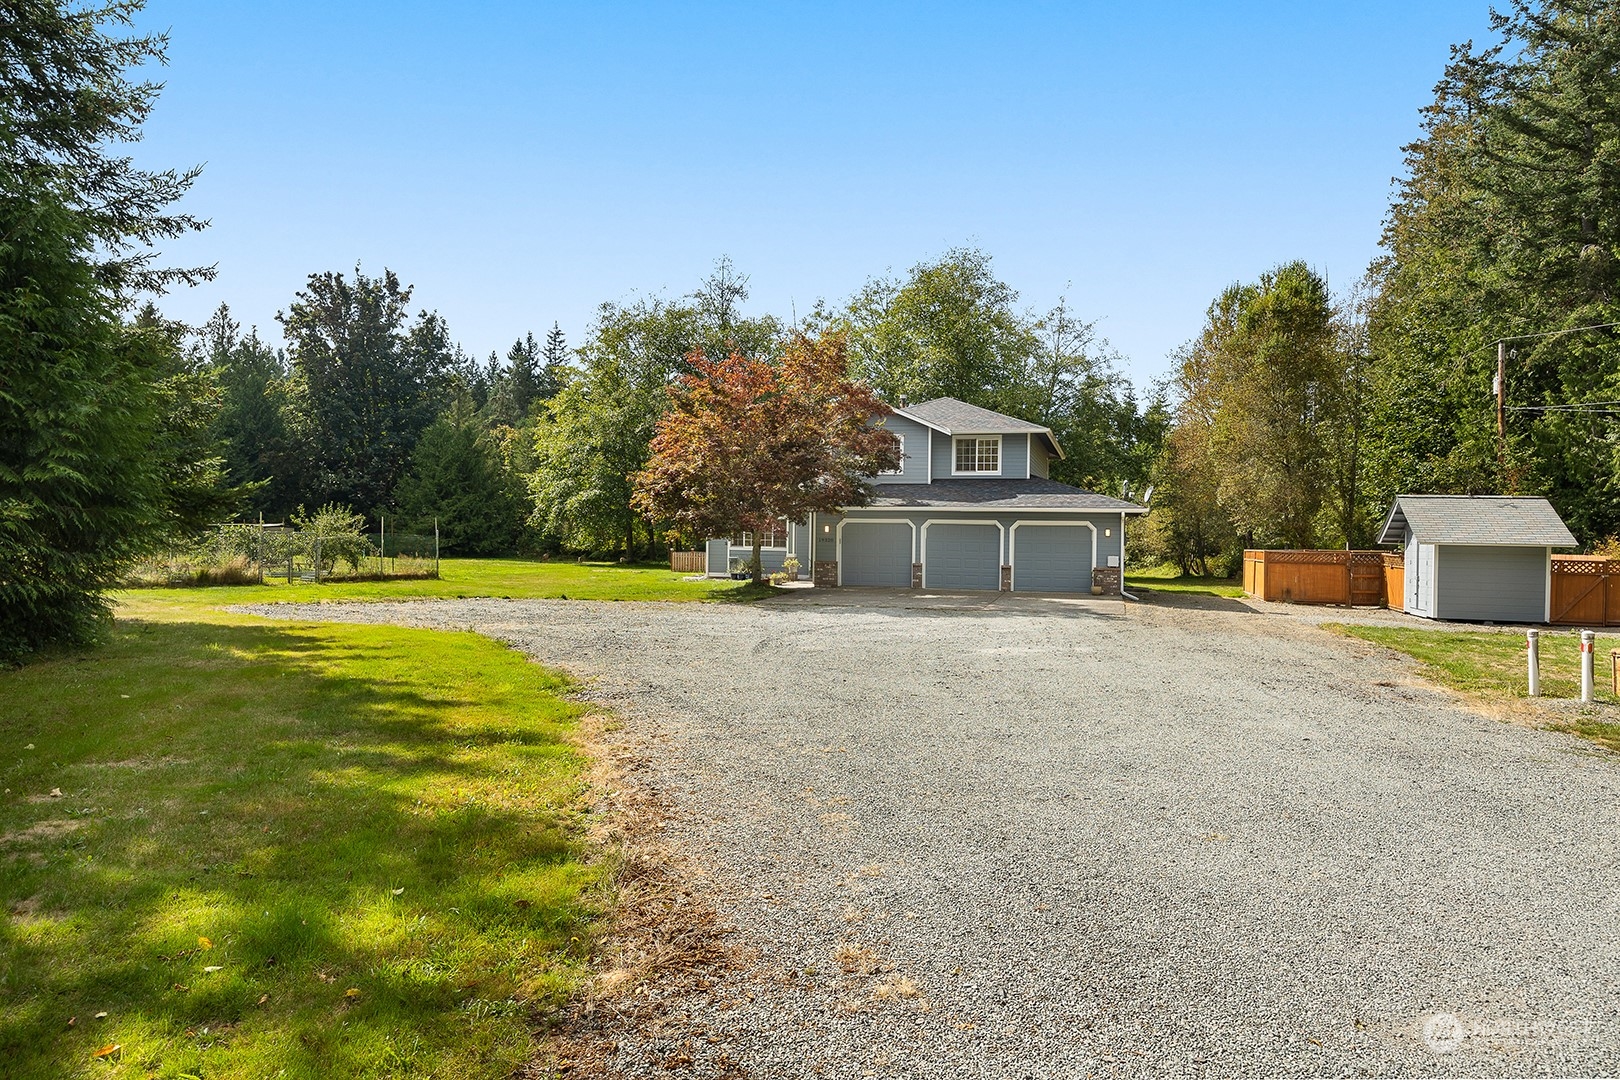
x: 1533, y: 651
x: 1587, y: 638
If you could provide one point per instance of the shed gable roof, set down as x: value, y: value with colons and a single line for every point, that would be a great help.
x: 955, y: 417
x: 1475, y: 519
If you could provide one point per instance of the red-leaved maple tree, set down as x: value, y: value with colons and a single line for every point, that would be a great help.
x: 746, y: 442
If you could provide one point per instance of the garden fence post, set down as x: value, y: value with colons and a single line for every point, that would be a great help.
x: 1533, y: 651
x: 1586, y: 665
x: 435, y: 548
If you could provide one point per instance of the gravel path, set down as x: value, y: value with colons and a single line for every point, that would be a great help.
x: 1022, y: 838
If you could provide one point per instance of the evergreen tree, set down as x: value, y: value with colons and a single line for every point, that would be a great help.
x: 525, y: 375
x: 365, y: 384
x: 554, y: 370
x: 458, y: 477
x: 260, y: 453
x: 1507, y: 223
x: 88, y: 429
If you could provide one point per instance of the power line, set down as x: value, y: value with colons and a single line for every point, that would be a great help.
x: 1544, y: 334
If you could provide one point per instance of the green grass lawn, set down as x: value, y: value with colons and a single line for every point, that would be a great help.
x: 1492, y: 666
x: 239, y: 848
x: 1169, y: 578
x: 520, y: 579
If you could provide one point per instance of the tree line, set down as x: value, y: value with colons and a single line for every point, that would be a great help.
x: 1299, y: 416
x: 370, y: 406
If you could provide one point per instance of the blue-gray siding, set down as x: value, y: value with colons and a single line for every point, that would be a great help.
x: 914, y: 467
x: 961, y: 556
x: 1051, y: 558
x: 877, y: 553
x: 1040, y: 462
x: 1496, y: 583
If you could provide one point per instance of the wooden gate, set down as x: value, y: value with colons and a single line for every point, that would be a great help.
x: 1366, y: 578
x: 1395, y: 581
x: 1583, y: 588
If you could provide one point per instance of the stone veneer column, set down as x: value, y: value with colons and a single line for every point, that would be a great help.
x: 1108, y: 578
x: 1006, y: 579
x: 916, y: 575
x: 826, y: 575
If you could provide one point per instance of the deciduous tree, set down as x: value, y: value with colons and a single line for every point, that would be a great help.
x: 748, y: 442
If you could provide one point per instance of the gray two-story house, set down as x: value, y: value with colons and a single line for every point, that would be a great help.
x: 970, y: 507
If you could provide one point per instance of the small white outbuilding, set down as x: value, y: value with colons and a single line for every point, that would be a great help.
x: 1485, y: 558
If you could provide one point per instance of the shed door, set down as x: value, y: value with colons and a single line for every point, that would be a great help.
x: 1052, y: 558
x: 962, y: 557
x: 876, y: 553
x: 1425, y: 582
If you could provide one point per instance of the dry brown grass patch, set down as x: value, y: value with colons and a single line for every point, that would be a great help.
x: 663, y: 936
x: 854, y: 959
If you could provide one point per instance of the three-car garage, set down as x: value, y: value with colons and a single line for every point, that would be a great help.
x: 1047, y: 553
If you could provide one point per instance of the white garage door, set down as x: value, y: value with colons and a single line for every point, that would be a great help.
x: 962, y: 557
x: 876, y: 553
x: 1052, y: 558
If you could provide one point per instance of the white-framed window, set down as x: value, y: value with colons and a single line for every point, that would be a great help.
x: 902, y: 468
x: 774, y: 537
x: 976, y: 454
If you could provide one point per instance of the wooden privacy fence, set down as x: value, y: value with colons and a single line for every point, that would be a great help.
x: 688, y: 562
x: 1585, y: 590
x: 1353, y: 578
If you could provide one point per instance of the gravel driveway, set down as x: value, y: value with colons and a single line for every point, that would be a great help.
x: 1025, y: 838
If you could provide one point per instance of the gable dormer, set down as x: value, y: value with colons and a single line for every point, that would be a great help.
x: 950, y: 439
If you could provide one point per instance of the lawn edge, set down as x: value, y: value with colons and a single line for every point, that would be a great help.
x: 1536, y: 714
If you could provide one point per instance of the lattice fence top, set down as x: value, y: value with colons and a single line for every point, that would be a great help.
x: 1317, y: 558
x: 1584, y: 565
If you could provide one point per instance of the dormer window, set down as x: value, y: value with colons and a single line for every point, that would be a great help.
x: 977, y: 455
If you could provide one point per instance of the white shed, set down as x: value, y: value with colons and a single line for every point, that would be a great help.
x: 1484, y: 558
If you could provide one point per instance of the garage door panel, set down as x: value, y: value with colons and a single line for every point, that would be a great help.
x: 877, y: 554
x: 963, y: 557
x: 1052, y: 558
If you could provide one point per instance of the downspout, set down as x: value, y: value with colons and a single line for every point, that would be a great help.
x: 1122, y: 590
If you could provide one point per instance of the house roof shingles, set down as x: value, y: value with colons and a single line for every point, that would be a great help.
x: 955, y: 417
x: 958, y: 417
x: 987, y: 494
x: 1476, y: 519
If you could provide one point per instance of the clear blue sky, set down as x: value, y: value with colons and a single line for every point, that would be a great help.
x: 521, y: 163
